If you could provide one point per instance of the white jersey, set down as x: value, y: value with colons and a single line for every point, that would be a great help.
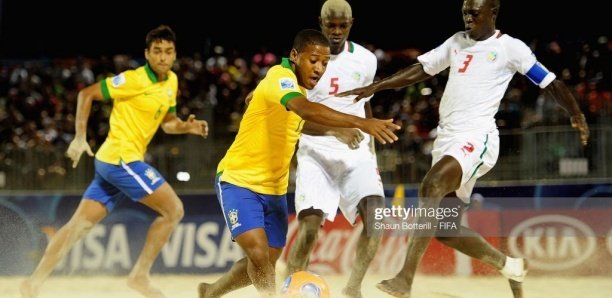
x: 479, y: 74
x: 329, y: 174
x: 354, y: 67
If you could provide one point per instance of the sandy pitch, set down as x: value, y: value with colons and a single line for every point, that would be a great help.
x: 425, y: 286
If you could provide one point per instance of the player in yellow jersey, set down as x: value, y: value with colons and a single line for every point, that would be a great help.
x: 252, y: 178
x: 143, y: 100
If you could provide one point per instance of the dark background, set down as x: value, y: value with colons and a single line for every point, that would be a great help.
x: 35, y: 29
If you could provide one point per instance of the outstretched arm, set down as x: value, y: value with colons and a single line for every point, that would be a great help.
x: 403, y: 78
x: 382, y: 130
x: 565, y: 99
x: 79, y: 144
x: 174, y: 125
x: 352, y: 137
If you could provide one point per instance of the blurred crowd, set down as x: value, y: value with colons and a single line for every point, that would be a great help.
x: 38, y: 98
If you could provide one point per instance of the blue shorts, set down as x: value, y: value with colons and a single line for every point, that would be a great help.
x: 112, y: 183
x: 245, y: 210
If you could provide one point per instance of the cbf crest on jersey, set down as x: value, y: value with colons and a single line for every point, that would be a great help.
x: 118, y: 80
x: 286, y: 83
x: 233, y: 218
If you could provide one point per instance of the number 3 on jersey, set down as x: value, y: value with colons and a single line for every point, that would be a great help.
x: 466, y: 63
x: 333, y: 85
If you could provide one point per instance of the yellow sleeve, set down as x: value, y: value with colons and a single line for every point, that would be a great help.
x: 124, y: 85
x: 282, y: 87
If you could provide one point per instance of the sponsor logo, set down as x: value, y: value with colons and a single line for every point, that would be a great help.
x: 152, y: 175
x: 286, y: 83
x: 118, y: 80
x: 169, y: 92
x: 552, y: 242
x: 232, y: 215
x: 335, y: 250
x: 467, y: 148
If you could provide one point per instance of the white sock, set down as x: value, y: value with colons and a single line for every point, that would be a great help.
x: 514, y: 269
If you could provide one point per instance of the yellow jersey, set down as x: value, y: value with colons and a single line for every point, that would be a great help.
x: 260, y: 156
x: 140, y: 103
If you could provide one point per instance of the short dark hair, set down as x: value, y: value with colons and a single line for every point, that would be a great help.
x: 309, y: 37
x: 162, y: 32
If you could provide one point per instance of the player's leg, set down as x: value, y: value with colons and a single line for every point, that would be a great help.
x: 169, y: 208
x: 143, y: 183
x: 259, y: 266
x: 89, y: 213
x: 309, y: 224
x: 474, y: 245
x: 275, y: 223
x: 443, y: 178
x: 316, y: 199
x: 367, y: 244
x: 236, y: 278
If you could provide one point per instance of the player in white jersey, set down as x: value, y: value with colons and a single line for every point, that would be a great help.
x: 482, y: 60
x: 331, y: 174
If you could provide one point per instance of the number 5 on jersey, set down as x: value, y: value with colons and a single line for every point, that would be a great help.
x: 333, y: 84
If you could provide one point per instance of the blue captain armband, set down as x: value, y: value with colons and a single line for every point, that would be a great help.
x: 539, y: 75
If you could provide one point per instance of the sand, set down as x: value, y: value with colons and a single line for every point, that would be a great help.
x: 424, y: 287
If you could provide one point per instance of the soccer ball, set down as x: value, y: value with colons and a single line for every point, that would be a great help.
x: 304, y: 284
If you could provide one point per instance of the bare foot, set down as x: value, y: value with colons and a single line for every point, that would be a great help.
x: 203, y: 290
x: 142, y: 285
x: 394, y: 288
x: 351, y: 292
x: 28, y: 290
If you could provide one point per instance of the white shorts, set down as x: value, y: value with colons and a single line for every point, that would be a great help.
x: 476, y: 153
x: 329, y: 178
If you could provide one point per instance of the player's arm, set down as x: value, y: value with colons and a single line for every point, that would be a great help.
x: 85, y: 100
x: 382, y: 130
x: 172, y: 124
x: 405, y: 77
x: 369, y: 114
x: 565, y: 99
x: 349, y: 136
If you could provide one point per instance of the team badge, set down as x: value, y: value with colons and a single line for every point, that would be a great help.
x: 233, y: 218
x: 286, y: 83
x: 152, y: 175
x: 492, y: 56
x: 356, y: 76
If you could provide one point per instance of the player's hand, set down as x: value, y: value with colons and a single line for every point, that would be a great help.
x: 361, y: 92
x: 76, y: 149
x: 579, y: 123
x: 197, y: 127
x: 352, y: 137
x: 382, y: 130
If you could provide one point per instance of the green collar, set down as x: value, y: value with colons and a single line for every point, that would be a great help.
x: 151, y: 74
x: 286, y: 63
x: 351, y: 47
